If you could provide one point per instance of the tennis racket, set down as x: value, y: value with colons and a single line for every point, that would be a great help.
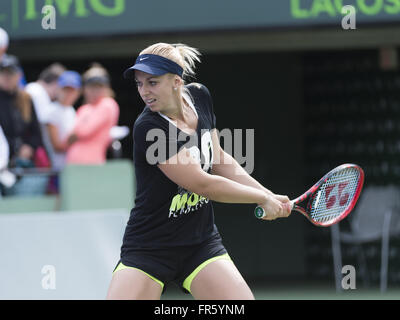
x: 331, y: 199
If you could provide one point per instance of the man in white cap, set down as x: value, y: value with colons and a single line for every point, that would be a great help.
x: 7, y: 179
x: 4, y: 40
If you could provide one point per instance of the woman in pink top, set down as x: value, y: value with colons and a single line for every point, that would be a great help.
x: 91, y: 135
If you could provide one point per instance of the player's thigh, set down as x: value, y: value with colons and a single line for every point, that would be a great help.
x: 132, y: 284
x: 220, y: 280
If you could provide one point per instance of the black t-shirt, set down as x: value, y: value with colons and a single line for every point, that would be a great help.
x: 166, y: 214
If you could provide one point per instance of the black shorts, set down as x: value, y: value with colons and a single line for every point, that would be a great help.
x: 178, y: 265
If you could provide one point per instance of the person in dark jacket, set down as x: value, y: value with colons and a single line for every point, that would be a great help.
x: 20, y: 125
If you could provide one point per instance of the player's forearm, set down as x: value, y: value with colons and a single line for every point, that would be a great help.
x: 229, y: 168
x: 221, y: 189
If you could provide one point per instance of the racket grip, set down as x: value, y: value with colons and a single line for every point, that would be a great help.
x: 259, y: 212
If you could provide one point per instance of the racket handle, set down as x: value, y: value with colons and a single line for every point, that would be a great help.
x: 259, y: 212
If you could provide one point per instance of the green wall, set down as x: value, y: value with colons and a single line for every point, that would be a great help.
x: 24, y: 18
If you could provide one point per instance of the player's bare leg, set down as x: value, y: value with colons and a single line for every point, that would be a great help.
x: 132, y: 284
x: 220, y: 280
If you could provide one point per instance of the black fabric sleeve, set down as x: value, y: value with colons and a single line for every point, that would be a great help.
x: 202, y: 96
x: 154, y: 143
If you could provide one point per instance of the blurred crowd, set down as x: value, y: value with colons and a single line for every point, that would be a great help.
x: 42, y: 129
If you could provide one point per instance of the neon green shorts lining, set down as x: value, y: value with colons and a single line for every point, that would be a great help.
x: 121, y: 266
x: 188, y: 281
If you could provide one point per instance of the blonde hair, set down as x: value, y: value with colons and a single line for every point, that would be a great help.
x: 96, y: 70
x: 179, y: 53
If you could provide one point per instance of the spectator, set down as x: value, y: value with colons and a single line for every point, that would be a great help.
x: 45, y: 90
x: 42, y: 93
x: 6, y: 178
x: 4, y: 151
x: 4, y: 42
x: 62, y: 117
x: 20, y: 126
x: 94, y: 120
x: 4, y: 154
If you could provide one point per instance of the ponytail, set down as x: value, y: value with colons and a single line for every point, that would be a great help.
x: 183, y: 55
x: 189, y: 56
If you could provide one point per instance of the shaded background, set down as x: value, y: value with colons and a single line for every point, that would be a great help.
x: 316, y: 95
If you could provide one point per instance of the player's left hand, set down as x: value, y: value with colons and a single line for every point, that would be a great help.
x: 285, y: 203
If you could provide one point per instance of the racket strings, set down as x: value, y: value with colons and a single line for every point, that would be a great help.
x: 328, y: 202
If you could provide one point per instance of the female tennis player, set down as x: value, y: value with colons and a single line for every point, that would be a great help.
x: 180, y: 166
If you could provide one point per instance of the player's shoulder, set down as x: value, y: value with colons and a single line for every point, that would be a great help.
x: 198, y: 89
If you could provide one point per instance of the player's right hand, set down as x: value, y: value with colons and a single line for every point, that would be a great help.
x: 281, y: 198
x: 275, y: 209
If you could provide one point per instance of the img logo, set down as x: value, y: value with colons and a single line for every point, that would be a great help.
x: 49, y: 17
